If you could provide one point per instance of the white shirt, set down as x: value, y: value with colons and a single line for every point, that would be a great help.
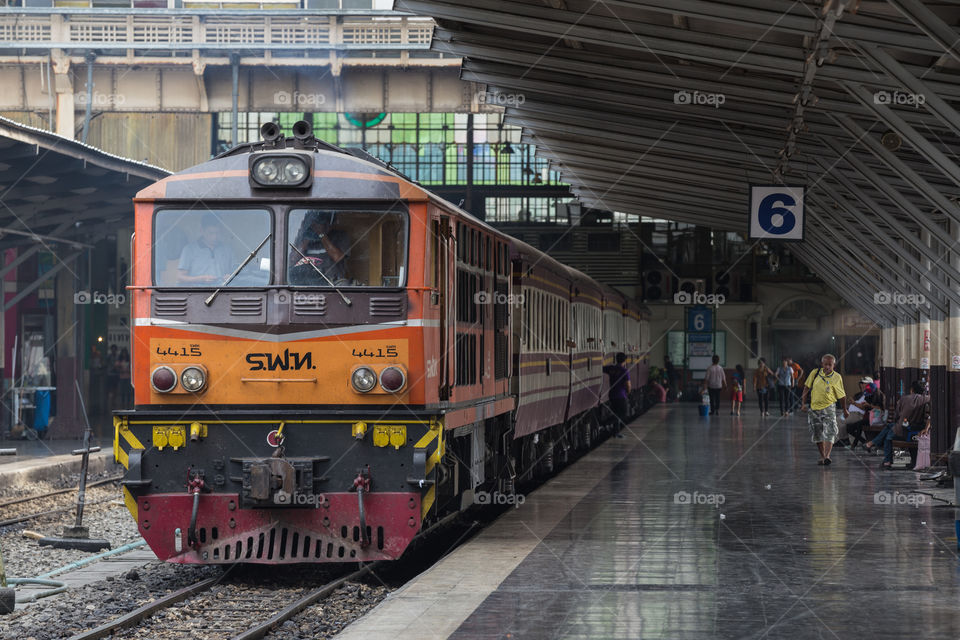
x: 715, y: 376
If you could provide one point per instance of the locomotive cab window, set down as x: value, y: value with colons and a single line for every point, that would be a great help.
x: 346, y: 248
x: 205, y: 247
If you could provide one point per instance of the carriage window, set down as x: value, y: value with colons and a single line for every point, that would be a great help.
x: 346, y: 248
x: 205, y: 247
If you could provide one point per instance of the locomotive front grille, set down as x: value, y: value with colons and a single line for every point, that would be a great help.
x: 170, y: 306
x: 383, y: 306
x: 246, y: 306
x: 310, y: 306
x: 288, y: 544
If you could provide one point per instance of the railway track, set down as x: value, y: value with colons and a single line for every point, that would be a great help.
x: 28, y: 502
x: 214, y: 608
x: 218, y: 609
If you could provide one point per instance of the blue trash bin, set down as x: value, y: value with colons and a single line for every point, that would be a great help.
x: 41, y: 413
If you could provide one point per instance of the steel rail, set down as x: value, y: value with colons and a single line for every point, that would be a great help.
x: 147, y: 610
x: 57, y: 493
x: 254, y: 633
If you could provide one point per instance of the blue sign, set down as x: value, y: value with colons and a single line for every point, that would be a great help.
x: 776, y: 212
x: 699, y: 319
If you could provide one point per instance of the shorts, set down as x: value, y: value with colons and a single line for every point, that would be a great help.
x: 823, y: 424
x: 737, y: 396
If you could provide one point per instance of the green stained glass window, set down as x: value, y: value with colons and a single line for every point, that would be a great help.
x: 431, y: 148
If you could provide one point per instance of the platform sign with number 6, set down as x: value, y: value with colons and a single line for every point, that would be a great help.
x: 776, y: 212
x: 699, y: 319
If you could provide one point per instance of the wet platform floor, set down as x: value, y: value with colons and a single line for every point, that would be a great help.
x: 716, y: 527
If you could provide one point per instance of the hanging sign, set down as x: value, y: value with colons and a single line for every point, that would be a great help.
x: 776, y: 212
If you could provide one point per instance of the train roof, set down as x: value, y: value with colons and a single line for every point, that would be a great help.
x: 336, y: 176
x: 340, y: 174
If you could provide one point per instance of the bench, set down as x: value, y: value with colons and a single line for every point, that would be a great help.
x: 903, y: 444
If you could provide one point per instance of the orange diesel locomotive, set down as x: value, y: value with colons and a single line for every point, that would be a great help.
x: 327, y: 357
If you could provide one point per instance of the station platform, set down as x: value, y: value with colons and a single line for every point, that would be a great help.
x: 696, y: 527
x: 49, y: 460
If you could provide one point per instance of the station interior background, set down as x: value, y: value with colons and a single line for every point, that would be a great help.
x: 772, y: 306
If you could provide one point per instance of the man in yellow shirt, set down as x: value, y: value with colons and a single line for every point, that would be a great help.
x: 824, y: 386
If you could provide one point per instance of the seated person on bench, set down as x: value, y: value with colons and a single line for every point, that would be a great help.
x: 911, y: 418
x: 860, y: 407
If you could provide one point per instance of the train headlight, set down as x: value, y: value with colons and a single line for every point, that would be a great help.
x: 363, y: 379
x: 393, y: 379
x: 271, y: 170
x: 163, y: 379
x: 193, y: 379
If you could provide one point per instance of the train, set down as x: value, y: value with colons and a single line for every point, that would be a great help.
x: 327, y: 358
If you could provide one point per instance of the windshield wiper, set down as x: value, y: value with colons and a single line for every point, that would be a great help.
x: 233, y: 275
x: 346, y: 300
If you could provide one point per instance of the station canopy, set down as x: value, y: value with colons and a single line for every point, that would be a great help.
x: 57, y: 192
x: 673, y: 108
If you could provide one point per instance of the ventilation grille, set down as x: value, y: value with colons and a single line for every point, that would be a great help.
x: 170, y: 306
x: 283, y: 544
x: 246, y: 306
x: 386, y: 307
x: 309, y: 305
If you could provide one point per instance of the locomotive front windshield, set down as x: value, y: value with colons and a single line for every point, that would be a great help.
x: 212, y: 248
x: 339, y: 248
x: 205, y: 247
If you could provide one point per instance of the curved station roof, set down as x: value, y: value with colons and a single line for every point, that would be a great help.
x: 673, y: 108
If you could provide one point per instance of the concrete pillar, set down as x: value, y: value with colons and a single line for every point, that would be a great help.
x: 888, y: 360
x: 902, y: 353
x: 69, y: 422
x: 63, y: 86
x: 952, y: 418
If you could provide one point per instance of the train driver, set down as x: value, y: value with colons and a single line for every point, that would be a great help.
x: 326, y: 248
x: 209, y: 259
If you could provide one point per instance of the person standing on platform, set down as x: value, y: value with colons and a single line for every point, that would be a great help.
x: 112, y: 378
x: 124, y: 390
x: 619, y: 390
x: 673, y: 379
x: 797, y: 383
x: 714, y: 382
x: 739, y: 381
x: 784, y: 374
x: 825, y: 388
x: 761, y: 384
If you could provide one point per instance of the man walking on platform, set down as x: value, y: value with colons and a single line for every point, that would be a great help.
x: 825, y: 387
x: 715, y: 381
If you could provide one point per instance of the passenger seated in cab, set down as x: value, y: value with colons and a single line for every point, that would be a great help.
x: 209, y: 259
x: 319, y: 247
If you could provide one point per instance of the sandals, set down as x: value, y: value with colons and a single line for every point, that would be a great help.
x: 827, y: 462
x: 887, y: 465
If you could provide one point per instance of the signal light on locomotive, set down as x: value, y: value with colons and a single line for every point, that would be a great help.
x: 274, y: 170
x: 363, y: 379
x: 392, y: 379
x: 193, y: 379
x: 163, y: 379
